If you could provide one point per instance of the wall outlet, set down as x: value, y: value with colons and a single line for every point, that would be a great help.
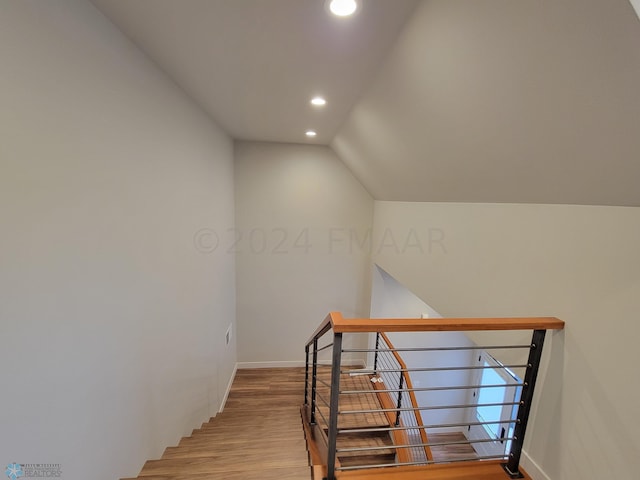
x: 425, y: 315
x: 227, y: 336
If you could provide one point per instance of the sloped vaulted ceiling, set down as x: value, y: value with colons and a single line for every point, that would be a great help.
x: 504, y: 101
x: 253, y: 65
x: 522, y: 101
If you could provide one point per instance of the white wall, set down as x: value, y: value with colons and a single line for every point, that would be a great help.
x: 578, y: 263
x: 302, y: 223
x: 636, y: 6
x: 391, y: 299
x: 111, y: 320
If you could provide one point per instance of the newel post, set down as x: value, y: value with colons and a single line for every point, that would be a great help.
x: 333, y: 405
x: 526, y: 399
x: 314, y: 375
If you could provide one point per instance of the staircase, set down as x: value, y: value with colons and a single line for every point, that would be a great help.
x: 350, y: 416
x: 257, y: 437
x: 367, y: 422
x: 350, y: 432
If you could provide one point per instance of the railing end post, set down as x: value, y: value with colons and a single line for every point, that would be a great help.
x: 332, y: 433
x: 526, y: 401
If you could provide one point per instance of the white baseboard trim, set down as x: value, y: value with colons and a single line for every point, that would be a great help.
x: 287, y: 364
x: 532, y: 468
x: 226, y: 393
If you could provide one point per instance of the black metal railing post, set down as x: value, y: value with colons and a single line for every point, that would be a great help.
x: 306, y: 374
x: 401, y: 384
x: 314, y: 376
x: 375, y: 355
x: 333, y: 405
x: 526, y: 399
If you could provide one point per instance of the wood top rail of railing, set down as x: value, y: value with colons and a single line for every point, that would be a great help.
x: 324, y: 327
x: 362, y: 325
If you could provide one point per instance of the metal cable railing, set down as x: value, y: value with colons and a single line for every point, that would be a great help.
x: 346, y: 405
x: 390, y: 370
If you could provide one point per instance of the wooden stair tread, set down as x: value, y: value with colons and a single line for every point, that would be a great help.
x: 209, y: 449
x: 222, y: 463
x: 298, y: 473
x: 258, y: 421
x: 366, y: 400
x: 374, y: 439
x: 364, y: 460
x: 451, y: 452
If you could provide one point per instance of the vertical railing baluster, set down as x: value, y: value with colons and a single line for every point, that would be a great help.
x: 375, y: 355
x: 333, y: 405
x: 314, y: 376
x: 306, y: 374
x: 526, y: 398
x: 399, y: 398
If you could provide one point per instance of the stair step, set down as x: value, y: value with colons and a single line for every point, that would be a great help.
x: 207, y: 450
x: 272, y: 418
x: 221, y: 464
x: 366, y: 457
x: 243, y: 438
x: 238, y: 427
x: 292, y: 473
x: 224, y: 439
x: 362, y: 460
x: 252, y: 433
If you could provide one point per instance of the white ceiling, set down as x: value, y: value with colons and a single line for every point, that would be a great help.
x: 429, y: 100
x: 253, y: 65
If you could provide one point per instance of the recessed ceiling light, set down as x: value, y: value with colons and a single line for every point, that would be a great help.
x: 318, y: 101
x: 343, y: 8
x: 310, y: 133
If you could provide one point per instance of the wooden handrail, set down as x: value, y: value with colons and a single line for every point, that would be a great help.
x: 324, y: 327
x: 363, y: 325
x: 412, y: 396
x: 339, y: 324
